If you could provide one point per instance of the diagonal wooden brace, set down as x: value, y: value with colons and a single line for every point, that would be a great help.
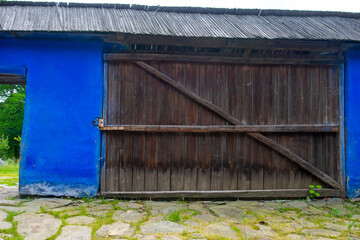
x: 261, y: 138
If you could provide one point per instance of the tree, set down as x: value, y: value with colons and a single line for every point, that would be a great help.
x: 7, y: 90
x: 4, y: 148
x: 11, y: 115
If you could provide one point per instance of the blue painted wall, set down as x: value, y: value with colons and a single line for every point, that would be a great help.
x: 60, y: 149
x: 352, y: 122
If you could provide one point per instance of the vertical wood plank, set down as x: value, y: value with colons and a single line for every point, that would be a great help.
x: 114, y: 94
x: 313, y: 74
x: 306, y: 118
x: 151, y: 162
x: 178, y: 71
x: 192, y: 118
x: 299, y: 140
x: 138, y: 153
x: 283, y: 109
x: 244, y: 80
x: 257, y: 150
x: 164, y: 154
x: 113, y: 117
x: 152, y: 117
x: 125, y: 179
x: 109, y: 165
x: 293, y: 118
x: 217, y: 76
x: 102, y: 162
x: 269, y: 83
x: 332, y: 140
x: 127, y: 117
x: 341, y: 163
x: 204, y: 141
x: 230, y: 153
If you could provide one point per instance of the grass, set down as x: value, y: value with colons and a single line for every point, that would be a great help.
x: 145, y: 219
x: 13, y: 229
x: 174, y: 216
x: 100, y: 221
x: 9, y: 174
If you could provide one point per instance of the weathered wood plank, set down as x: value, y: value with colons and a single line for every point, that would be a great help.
x: 223, y: 128
x: 280, y: 149
x: 217, y: 77
x: 138, y: 139
x: 112, y: 171
x: 230, y: 152
x: 204, y: 141
x: 270, y: 113
x: 138, y: 158
x: 163, y: 158
x: 294, y: 113
x: 178, y: 70
x: 164, y: 104
x: 219, y: 59
x: 341, y: 103
x: 304, y: 45
x: 192, y: 76
x: 127, y: 79
x: 151, y: 163
x: 257, y: 109
x: 239, y: 194
x: 243, y: 109
x: 152, y: 112
x: 102, y: 161
x: 12, y: 79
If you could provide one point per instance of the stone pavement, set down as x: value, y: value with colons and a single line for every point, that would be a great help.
x: 83, y: 219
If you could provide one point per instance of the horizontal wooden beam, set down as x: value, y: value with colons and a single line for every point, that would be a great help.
x: 288, y: 44
x: 221, y: 128
x: 217, y: 59
x: 242, y: 194
x: 12, y: 79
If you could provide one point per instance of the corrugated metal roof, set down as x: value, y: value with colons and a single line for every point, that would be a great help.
x: 182, y: 21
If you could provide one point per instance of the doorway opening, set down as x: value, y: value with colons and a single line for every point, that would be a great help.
x: 12, y: 103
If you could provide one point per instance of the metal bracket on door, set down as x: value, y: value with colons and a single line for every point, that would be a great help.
x: 98, y: 121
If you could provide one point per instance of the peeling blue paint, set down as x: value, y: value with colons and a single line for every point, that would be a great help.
x: 60, y: 149
x: 45, y: 188
x: 352, y: 122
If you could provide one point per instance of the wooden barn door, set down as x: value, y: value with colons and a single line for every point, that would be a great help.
x: 206, y: 127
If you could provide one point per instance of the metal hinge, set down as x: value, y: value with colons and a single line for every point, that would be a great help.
x: 98, y: 121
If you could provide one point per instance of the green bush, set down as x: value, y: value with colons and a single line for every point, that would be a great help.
x: 4, y: 147
x: 12, y: 101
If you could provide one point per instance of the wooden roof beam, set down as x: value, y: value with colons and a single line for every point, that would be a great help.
x: 288, y: 44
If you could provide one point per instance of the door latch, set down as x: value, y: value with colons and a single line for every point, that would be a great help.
x: 98, y: 121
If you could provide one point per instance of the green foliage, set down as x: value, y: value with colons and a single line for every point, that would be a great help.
x: 4, y: 147
x: 18, y: 138
x: 7, y: 90
x: 313, y: 192
x: 351, y: 225
x: 174, y: 216
x: 282, y: 208
x: 11, y: 116
x: 9, y: 173
x: 335, y: 213
x: 11, y: 167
